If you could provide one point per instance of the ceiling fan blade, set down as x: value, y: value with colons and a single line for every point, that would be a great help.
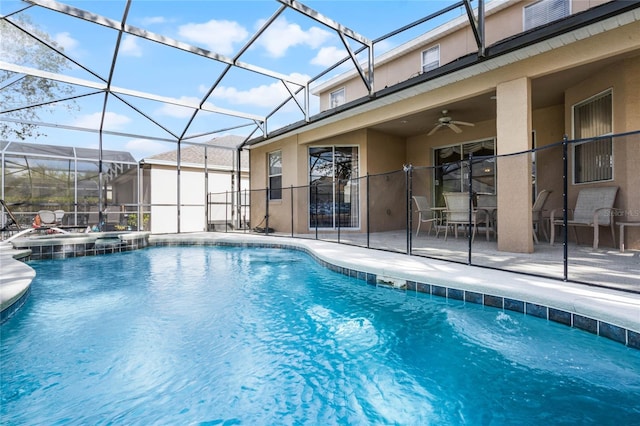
x: 462, y: 123
x: 455, y: 128
x: 435, y: 129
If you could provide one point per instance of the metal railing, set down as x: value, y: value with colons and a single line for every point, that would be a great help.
x: 378, y: 212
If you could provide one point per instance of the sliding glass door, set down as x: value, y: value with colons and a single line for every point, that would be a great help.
x: 333, y: 187
x: 453, y: 171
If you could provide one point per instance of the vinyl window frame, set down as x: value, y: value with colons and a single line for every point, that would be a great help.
x: 429, y: 65
x: 274, y: 175
x: 337, y: 97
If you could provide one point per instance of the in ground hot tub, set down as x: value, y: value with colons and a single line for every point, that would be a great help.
x: 60, y: 246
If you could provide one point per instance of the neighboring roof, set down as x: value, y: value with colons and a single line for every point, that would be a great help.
x: 503, y: 49
x: 55, y: 152
x: 220, y: 154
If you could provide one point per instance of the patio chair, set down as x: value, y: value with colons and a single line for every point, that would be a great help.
x: 47, y: 218
x: 487, y: 206
x: 594, y: 208
x: 425, y: 214
x: 59, y: 216
x: 457, y: 213
x: 537, y: 210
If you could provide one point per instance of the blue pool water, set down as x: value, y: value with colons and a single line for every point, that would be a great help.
x: 203, y: 335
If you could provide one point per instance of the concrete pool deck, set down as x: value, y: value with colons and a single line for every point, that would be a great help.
x: 598, y: 310
x: 15, y: 280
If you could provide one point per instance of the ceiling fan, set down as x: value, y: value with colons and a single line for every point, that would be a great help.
x: 446, y: 121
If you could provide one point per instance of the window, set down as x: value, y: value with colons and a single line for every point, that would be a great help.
x: 452, y: 172
x: 333, y: 187
x: 431, y: 59
x: 593, y: 159
x: 275, y: 175
x: 544, y: 12
x: 337, y: 98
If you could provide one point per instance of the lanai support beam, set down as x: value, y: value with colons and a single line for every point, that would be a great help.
x: 342, y: 32
x: 477, y: 24
x: 139, y: 32
x: 368, y: 82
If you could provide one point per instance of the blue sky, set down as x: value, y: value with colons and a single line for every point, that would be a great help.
x: 294, y: 46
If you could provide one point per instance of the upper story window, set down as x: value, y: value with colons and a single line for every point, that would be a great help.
x: 337, y: 98
x: 275, y: 175
x: 431, y: 58
x: 545, y: 11
x: 593, y: 159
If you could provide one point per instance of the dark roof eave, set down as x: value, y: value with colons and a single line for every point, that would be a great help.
x: 503, y: 47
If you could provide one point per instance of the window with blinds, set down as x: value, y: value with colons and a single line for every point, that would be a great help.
x: 544, y: 12
x: 431, y: 58
x: 593, y: 159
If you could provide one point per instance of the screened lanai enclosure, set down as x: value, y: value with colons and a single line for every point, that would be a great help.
x: 91, y: 190
x: 93, y: 94
x: 67, y: 180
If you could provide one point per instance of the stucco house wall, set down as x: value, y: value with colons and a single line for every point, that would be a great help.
x: 518, y: 97
x: 193, y: 196
x: 163, y: 217
x: 503, y: 18
x: 160, y: 183
x: 623, y: 81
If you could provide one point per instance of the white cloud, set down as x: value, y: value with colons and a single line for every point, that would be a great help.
x: 150, y: 20
x: 260, y: 96
x: 217, y: 36
x: 328, y: 56
x: 177, y: 111
x: 67, y: 42
x: 130, y: 46
x: 281, y: 35
x: 145, y: 147
x: 384, y: 46
x: 112, y: 121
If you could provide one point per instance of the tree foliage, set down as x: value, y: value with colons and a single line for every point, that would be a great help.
x: 24, y: 97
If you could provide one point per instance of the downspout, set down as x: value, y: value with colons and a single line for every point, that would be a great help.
x: 238, y: 206
x: 239, y: 149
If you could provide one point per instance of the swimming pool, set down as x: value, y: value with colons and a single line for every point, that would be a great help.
x: 188, y: 335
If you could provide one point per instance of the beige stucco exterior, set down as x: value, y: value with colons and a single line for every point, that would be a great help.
x: 504, y: 18
x: 513, y: 130
x: 512, y: 99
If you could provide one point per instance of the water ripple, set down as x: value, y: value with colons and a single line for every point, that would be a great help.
x: 232, y: 336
